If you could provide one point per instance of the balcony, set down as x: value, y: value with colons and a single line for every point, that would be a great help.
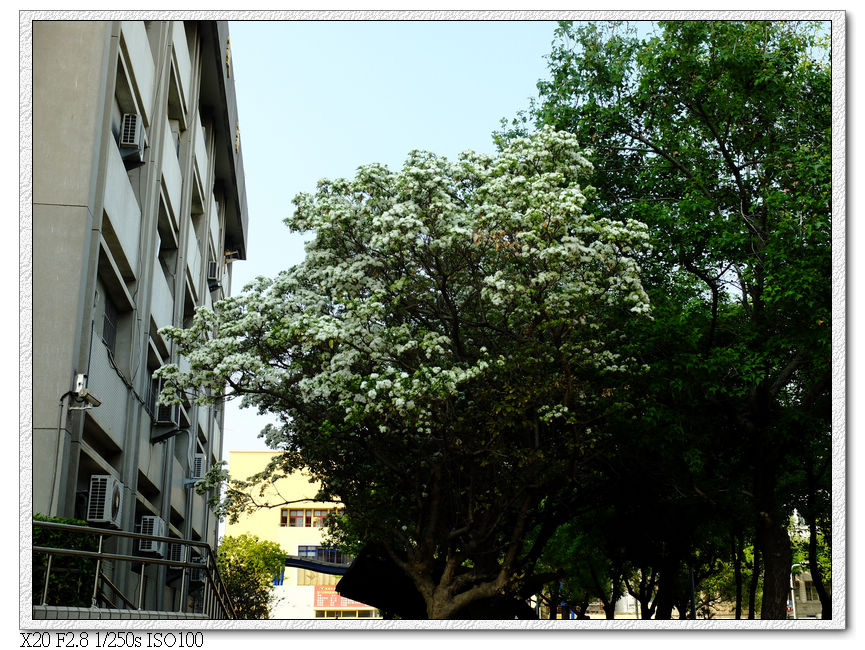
x: 178, y: 491
x: 182, y: 65
x: 142, y: 71
x: 103, y: 380
x: 150, y: 457
x: 194, y: 263
x: 171, y: 177
x: 124, y: 216
x: 214, y: 226
x: 201, y: 161
x: 162, y: 300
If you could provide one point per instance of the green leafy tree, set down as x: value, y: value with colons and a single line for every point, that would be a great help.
x: 583, y: 570
x: 247, y: 566
x: 717, y: 135
x: 70, y: 582
x: 442, y: 359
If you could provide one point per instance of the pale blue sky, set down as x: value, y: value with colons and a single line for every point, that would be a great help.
x: 318, y: 99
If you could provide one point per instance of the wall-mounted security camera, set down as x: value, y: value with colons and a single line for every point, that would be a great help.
x: 82, y: 393
x: 90, y: 398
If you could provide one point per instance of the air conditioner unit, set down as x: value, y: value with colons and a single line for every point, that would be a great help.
x: 151, y: 525
x: 199, y: 466
x: 168, y: 414
x: 197, y: 574
x: 175, y: 554
x: 164, y: 414
x: 105, y: 500
x: 213, y: 275
x: 133, y: 139
x: 131, y: 132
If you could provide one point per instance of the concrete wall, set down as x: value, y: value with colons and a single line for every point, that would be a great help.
x: 68, y: 79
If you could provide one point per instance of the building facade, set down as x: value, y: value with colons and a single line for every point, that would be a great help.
x: 296, y: 523
x: 139, y: 211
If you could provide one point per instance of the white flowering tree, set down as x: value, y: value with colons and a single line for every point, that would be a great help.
x: 441, y: 359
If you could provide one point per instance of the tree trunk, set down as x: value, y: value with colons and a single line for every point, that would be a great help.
x: 582, y: 614
x: 666, y: 591
x: 645, y: 593
x: 737, y: 573
x: 608, y: 603
x: 771, y: 525
x: 609, y: 610
x: 752, y: 587
x: 814, y: 563
x: 777, y: 558
x: 817, y: 572
x: 554, y: 601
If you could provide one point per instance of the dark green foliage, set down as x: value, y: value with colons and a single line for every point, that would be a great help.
x: 717, y: 136
x: 71, y: 580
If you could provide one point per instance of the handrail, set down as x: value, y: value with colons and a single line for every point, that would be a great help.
x: 105, y: 580
x: 216, y: 598
x: 118, y: 533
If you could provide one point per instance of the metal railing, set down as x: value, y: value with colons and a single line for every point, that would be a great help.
x: 211, y: 597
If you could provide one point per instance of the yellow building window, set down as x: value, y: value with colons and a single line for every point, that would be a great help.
x: 318, y: 518
x: 345, y: 613
x: 304, y: 517
x: 295, y: 518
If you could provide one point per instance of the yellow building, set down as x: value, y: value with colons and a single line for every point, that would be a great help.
x: 296, y: 523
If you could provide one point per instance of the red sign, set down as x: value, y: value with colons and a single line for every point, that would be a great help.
x: 326, y: 597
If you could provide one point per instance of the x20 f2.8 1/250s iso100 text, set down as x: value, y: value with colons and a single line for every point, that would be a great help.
x: 109, y: 639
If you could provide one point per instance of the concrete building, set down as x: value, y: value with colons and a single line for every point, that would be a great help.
x: 139, y: 210
x: 296, y: 524
x: 807, y: 602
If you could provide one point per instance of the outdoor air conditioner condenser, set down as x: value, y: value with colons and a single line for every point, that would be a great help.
x: 132, y: 140
x: 165, y: 414
x: 199, y: 466
x: 151, y: 525
x: 105, y: 500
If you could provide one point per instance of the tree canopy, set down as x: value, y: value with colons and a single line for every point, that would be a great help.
x: 439, y: 358
x: 716, y: 134
x: 247, y: 566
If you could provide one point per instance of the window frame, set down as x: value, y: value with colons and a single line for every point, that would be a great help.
x: 294, y: 518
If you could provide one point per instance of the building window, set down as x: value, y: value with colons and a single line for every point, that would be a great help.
x: 307, y: 518
x: 295, y: 518
x: 324, y: 554
x: 318, y: 518
x: 109, y: 325
x: 283, y: 517
x: 279, y: 579
x: 345, y: 613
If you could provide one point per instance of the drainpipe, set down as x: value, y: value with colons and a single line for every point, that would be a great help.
x: 58, y: 463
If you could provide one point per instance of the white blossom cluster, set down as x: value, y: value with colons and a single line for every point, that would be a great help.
x: 419, y: 283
